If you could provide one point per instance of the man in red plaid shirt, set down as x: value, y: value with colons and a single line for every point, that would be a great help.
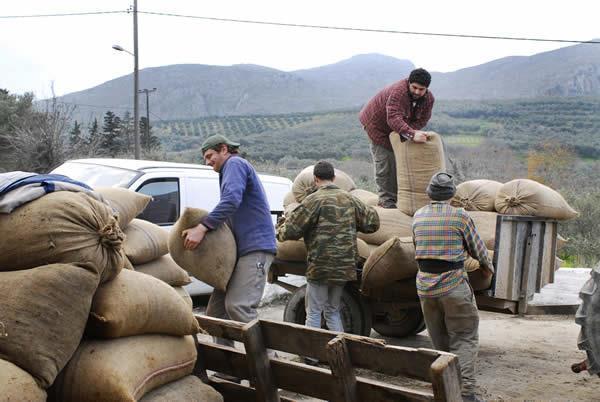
x: 404, y: 107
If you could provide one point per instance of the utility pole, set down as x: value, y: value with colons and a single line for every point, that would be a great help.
x: 136, y: 111
x: 147, y: 92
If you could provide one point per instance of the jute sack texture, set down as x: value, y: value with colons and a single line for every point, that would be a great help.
x: 61, y: 227
x: 145, y: 241
x: 392, y: 222
x: 185, y: 296
x: 528, y: 197
x: 304, y: 182
x: 44, y: 312
x: 291, y: 250
x: 213, y: 260
x: 405, y: 289
x: 17, y: 385
x: 127, y: 203
x: 124, y: 369
x: 165, y: 269
x: 476, y: 195
x: 415, y: 164
x: 485, y: 223
x: 288, y: 199
x: 476, y: 277
x: 135, y: 304
x: 188, y: 389
x: 365, y: 196
x: 393, y: 261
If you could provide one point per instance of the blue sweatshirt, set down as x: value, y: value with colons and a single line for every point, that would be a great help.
x: 244, y: 204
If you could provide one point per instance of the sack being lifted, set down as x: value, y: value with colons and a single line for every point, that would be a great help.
x: 415, y: 164
x: 213, y: 260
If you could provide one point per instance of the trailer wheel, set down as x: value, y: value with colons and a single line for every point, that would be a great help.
x: 356, y: 316
x: 400, y: 322
x: 588, y: 316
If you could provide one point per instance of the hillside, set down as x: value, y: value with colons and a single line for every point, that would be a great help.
x: 518, y: 125
x: 192, y: 91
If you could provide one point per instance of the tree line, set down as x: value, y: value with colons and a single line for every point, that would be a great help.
x: 38, y: 136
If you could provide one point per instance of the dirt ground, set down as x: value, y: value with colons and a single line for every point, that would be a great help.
x: 520, y: 358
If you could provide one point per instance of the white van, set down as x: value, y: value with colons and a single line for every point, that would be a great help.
x: 173, y: 187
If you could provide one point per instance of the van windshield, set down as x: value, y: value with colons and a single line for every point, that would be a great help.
x: 97, y: 175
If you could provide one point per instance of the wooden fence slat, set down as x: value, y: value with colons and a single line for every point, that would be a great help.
x: 221, y: 328
x: 344, y: 379
x: 303, y: 379
x: 445, y: 378
x: 365, y: 352
x: 258, y: 363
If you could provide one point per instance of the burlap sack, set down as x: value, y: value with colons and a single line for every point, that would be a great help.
x: 392, y: 222
x: 476, y: 195
x: 135, y: 304
x: 124, y: 369
x: 127, y: 203
x: 476, y: 277
x: 145, y: 241
x: 61, y: 227
x: 213, y: 260
x: 528, y: 197
x: 165, y: 269
x: 485, y: 223
x: 188, y: 389
x: 364, y: 251
x: 17, y: 385
x: 393, y: 291
x: 393, y: 261
x: 44, y: 311
x: 127, y: 264
x: 415, y: 165
x: 288, y: 199
x: 185, y: 296
x: 304, y: 182
x: 291, y: 250
x: 365, y: 196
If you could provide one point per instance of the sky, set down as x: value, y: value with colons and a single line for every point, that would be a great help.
x: 74, y: 53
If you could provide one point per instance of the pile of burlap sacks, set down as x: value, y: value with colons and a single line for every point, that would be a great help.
x: 92, y: 307
x: 389, y: 254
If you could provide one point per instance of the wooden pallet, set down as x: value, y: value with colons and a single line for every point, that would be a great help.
x: 344, y: 353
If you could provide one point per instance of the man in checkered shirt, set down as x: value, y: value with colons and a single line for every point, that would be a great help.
x: 444, y: 236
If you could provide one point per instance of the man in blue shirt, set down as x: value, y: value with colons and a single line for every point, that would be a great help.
x: 244, y: 206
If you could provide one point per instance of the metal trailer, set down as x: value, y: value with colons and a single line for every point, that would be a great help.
x: 524, y: 260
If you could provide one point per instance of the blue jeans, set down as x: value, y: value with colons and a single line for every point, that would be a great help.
x: 324, y: 298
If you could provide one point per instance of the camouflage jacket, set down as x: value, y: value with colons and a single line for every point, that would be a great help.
x: 328, y: 220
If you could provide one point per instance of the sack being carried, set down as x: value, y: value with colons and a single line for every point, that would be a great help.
x: 213, y: 260
x: 304, y: 183
x: 416, y: 163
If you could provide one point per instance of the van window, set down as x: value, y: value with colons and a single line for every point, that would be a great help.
x: 164, y: 207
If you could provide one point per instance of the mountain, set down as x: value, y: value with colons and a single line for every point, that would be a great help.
x: 569, y: 71
x: 188, y: 91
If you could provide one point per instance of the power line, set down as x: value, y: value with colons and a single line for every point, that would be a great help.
x: 64, y: 14
x: 309, y: 26
x: 356, y: 29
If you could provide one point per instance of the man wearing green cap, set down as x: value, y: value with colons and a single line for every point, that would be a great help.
x: 243, y: 205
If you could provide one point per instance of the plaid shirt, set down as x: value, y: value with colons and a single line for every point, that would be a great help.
x: 442, y: 232
x: 392, y: 109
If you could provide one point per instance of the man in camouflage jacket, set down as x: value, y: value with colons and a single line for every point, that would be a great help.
x: 328, y: 220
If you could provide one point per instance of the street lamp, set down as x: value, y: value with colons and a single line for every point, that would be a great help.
x: 136, y: 112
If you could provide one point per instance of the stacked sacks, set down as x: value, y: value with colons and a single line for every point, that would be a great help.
x: 139, y: 335
x: 304, y: 183
x: 476, y: 195
x: 392, y: 261
x: 57, y: 249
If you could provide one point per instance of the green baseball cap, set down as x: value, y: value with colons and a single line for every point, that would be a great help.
x: 215, y: 140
